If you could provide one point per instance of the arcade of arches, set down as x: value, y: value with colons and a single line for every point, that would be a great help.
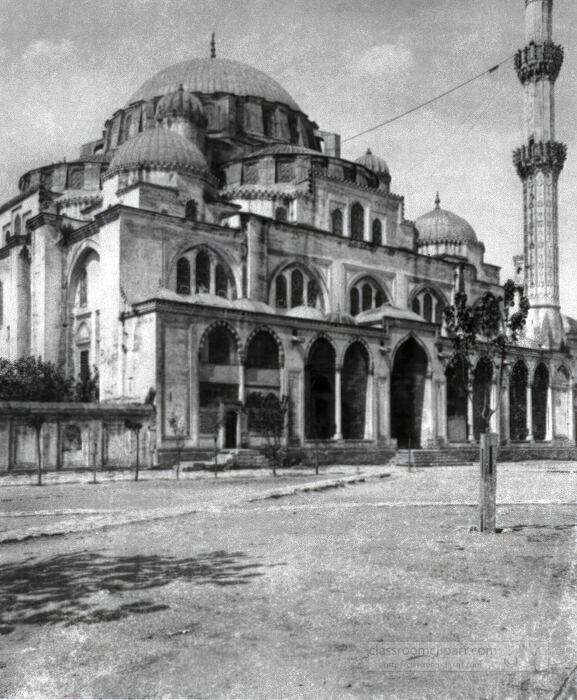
x: 342, y: 400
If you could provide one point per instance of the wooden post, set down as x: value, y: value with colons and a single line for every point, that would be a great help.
x: 488, y: 482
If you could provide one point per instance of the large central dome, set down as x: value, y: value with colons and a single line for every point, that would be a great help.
x: 214, y: 75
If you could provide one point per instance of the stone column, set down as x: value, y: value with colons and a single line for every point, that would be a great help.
x: 570, y: 412
x: 495, y: 420
x: 470, y: 416
x: 338, y: 435
x: 529, y: 401
x: 428, y: 421
x: 241, y: 382
x: 505, y: 413
x: 442, y: 410
x: 369, y: 407
x: 549, y: 414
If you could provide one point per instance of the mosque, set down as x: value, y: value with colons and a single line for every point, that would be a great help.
x: 212, y: 244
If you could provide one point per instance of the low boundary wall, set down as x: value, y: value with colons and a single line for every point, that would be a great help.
x: 76, y: 435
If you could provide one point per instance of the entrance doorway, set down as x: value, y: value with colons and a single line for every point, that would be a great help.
x: 320, y: 390
x: 408, y: 394
x: 230, y: 421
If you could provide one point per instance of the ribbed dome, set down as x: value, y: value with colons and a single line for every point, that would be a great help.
x: 181, y: 103
x: 211, y: 76
x: 442, y: 225
x: 374, y: 163
x: 158, y: 148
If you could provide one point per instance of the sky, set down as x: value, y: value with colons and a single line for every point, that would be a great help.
x: 67, y: 65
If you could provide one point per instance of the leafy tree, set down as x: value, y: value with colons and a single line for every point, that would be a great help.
x: 267, y: 416
x: 486, y: 330
x: 32, y: 379
x: 86, y: 389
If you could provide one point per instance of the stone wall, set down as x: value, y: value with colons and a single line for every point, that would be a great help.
x: 75, y: 436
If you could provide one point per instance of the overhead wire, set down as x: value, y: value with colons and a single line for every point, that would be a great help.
x: 488, y: 71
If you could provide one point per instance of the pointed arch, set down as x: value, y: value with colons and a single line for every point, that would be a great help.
x: 354, y: 385
x: 282, y: 293
x: 410, y: 366
x: 363, y: 342
x: 357, y: 222
x: 518, y: 401
x: 275, y: 336
x: 202, y: 345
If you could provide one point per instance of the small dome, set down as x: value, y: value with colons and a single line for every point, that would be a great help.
x: 158, y: 148
x: 444, y: 226
x: 309, y: 312
x: 340, y: 317
x: 376, y: 164
x: 181, y: 103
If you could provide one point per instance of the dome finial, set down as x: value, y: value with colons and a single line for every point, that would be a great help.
x: 437, y: 201
x: 212, y: 46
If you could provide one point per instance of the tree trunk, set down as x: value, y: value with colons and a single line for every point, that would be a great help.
x: 137, y: 455
x: 39, y: 455
x: 488, y: 482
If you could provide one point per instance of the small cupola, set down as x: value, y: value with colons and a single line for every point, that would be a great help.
x: 183, y: 113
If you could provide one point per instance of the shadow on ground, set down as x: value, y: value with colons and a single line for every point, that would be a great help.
x: 78, y: 588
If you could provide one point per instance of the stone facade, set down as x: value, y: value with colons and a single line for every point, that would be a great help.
x: 213, y: 245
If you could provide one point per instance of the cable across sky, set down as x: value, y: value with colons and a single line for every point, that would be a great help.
x: 433, y: 99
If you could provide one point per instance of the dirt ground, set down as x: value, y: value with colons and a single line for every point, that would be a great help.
x: 377, y: 589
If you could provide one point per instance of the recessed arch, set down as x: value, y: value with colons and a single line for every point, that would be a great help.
x: 429, y: 302
x: 518, y: 401
x: 366, y: 293
x: 363, y: 342
x: 231, y: 329
x: 320, y: 389
x: 275, y: 336
x: 408, y: 376
x: 357, y: 222
x: 310, y: 288
x: 354, y: 384
x: 539, y: 401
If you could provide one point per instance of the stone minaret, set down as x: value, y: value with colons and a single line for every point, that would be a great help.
x: 538, y: 164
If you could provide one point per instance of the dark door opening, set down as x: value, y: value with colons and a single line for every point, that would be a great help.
x: 230, y: 429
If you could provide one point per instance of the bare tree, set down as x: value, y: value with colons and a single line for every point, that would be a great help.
x: 179, y: 429
x: 135, y: 428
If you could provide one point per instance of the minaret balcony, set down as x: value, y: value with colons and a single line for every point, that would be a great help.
x: 537, y: 61
x: 542, y: 156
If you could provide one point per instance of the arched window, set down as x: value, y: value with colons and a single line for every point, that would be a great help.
x: 357, y: 222
x: 355, y: 307
x: 312, y: 293
x: 428, y: 307
x: 83, y: 288
x: 337, y: 222
x: 8, y: 237
x: 377, y: 232
x: 297, y: 288
x: 183, y: 276
x: 127, y: 125
x: 280, y: 214
x: 221, y: 282
x: 294, y: 286
x: 365, y: 295
x: 191, y: 210
x: 427, y: 303
x: 17, y: 225
x: 202, y: 272
x: 280, y: 292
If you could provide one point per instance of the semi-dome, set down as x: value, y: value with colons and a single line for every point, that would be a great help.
x: 374, y: 163
x: 340, y: 317
x: 181, y: 103
x: 284, y: 149
x: 160, y: 148
x: 444, y: 226
x: 211, y: 76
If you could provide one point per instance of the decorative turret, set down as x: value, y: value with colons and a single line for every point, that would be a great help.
x: 378, y: 166
x: 539, y: 162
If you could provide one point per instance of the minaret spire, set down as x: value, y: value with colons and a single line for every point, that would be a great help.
x: 212, y: 46
x: 539, y: 162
